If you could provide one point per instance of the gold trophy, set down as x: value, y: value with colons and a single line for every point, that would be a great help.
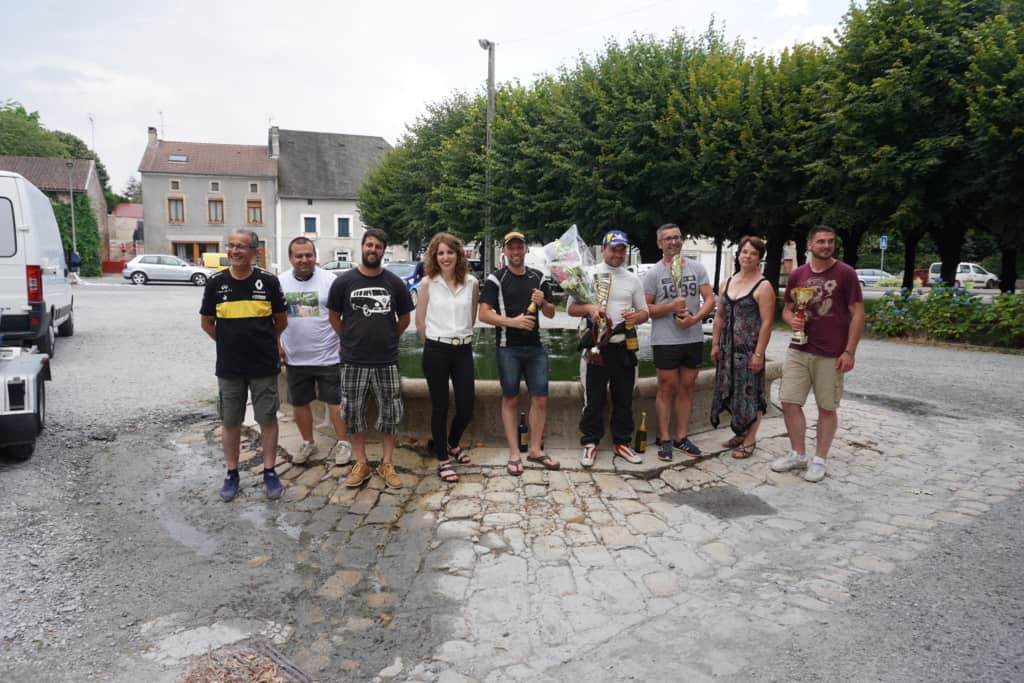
x: 602, y: 291
x: 676, y: 270
x: 802, y: 296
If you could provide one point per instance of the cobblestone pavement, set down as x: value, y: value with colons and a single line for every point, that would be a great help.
x: 613, y: 575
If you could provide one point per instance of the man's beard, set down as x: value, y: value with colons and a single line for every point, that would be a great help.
x: 371, y: 260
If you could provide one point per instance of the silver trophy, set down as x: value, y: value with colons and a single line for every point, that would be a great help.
x: 602, y: 291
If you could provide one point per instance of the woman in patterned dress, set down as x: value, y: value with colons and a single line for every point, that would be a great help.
x: 743, y: 326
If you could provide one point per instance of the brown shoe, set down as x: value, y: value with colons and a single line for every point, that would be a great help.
x: 387, y: 472
x: 360, y: 473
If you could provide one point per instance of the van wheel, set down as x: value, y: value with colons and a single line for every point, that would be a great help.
x: 46, y: 343
x: 22, y: 451
x: 139, y: 278
x: 199, y: 280
x: 991, y: 284
x: 958, y: 283
x: 67, y: 328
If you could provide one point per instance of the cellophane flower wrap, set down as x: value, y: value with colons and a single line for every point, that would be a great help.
x: 568, y: 259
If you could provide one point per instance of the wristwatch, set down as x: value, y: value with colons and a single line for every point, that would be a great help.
x: 849, y: 352
x: 755, y: 354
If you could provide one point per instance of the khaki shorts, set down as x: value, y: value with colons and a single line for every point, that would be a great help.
x: 232, y: 397
x: 803, y: 371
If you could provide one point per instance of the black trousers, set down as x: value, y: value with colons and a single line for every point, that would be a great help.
x: 442, y: 362
x: 619, y: 372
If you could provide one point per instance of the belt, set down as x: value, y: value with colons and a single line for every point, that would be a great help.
x: 453, y: 341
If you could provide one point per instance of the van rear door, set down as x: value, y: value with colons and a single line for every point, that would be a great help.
x: 13, y: 293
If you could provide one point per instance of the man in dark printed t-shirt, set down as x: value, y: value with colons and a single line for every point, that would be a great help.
x: 834, y: 322
x: 244, y: 312
x: 369, y: 308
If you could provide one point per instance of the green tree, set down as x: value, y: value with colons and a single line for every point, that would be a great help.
x: 21, y: 134
x: 994, y: 91
x: 86, y: 232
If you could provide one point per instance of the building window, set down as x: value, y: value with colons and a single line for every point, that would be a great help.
x: 175, y: 210
x: 214, y: 186
x: 344, y: 224
x: 254, y: 212
x: 175, y: 184
x: 216, y: 210
x: 254, y: 188
x: 309, y: 202
x: 310, y: 225
x: 343, y: 255
x: 178, y: 158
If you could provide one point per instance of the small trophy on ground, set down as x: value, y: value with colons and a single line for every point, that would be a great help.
x: 602, y: 291
x: 676, y: 269
x: 802, y: 296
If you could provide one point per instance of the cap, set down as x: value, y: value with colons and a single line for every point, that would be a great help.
x: 514, y: 235
x: 613, y: 237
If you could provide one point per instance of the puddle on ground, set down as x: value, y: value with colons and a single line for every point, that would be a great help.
x: 911, y: 406
x: 724, y: 502
x: 188, y: 535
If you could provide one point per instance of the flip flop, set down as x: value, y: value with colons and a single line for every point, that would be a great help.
x: 514, y: 467
x: 544, y: 461
x: 734, y: 441
x: 447, y: 473
x: 460, y: 455
x: 743, y: 452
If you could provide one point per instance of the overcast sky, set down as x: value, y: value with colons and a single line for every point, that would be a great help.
x: 219, y: 71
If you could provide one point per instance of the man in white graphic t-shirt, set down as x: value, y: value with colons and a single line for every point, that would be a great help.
x: 309, y: 351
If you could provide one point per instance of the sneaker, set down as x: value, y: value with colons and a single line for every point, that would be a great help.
x: 273, y: 485
x: 789, y: 462
x: 306, y: 451
x: 389, y: 474
x: 665, y: 451
x: 815, y: 470
x: 230, y: 488
x: 589, y: 455
x: 341, y: 453
x: 685, y: 446
x: 627, y: 454
x: 360, y: 473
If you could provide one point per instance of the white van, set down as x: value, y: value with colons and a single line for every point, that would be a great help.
x: 966, y: 273
x: 34, y: 292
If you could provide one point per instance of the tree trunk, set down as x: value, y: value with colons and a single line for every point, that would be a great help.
x: 1008, y: 270
x: 773, y: 257
x: 910, y: 240
x: 949, y: 239
x: 718, y: 264
x: 851, y: 243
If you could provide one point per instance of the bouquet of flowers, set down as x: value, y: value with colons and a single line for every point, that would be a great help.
x: 568, y: 258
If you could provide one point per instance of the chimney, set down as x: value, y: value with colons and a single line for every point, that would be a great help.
x: 275, y: 142
x: 152, y: 136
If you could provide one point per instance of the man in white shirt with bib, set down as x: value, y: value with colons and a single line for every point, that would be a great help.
x: 309, y: 351
x: 614, y: 366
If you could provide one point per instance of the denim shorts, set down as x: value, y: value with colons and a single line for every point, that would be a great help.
x: 516, y: 361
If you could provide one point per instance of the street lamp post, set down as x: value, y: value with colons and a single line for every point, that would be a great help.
x: 488, y: 238
x: 71, y: 194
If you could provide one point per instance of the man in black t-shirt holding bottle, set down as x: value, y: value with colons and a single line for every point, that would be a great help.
x: 369, y: 309
x: 504, y: 301
x: 244, y: 312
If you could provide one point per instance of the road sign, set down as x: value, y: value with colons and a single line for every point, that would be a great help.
x: 883, y: 242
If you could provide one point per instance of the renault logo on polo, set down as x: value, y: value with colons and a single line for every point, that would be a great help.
x: 259, y: 284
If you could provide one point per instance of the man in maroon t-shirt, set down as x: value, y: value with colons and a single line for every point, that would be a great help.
x: 834, y: 322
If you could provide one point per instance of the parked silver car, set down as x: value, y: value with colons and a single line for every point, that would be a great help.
x: 869, y: 277
x: 338, y: 267
x: 164, y: 268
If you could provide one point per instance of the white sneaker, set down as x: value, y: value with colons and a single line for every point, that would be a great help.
x: 589, y: 454
x: 306, y: 451
x: 789, y: 462
x: 627, y: 454
x: 341, y: 452
x: 815, y: 470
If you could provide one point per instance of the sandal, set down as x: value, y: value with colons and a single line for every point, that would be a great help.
x: 735, y: 441
x: 744, y: 451
x: 460, y: 455
x: 514, y: 467
x: 545, y: 461
x: 447, y: 473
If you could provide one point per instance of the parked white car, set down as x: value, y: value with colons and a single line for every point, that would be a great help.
x: 164, y: 268
x: 966, y: 272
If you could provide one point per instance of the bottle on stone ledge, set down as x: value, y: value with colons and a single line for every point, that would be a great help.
x: 640, y: 445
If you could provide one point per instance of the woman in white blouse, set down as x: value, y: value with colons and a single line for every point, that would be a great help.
x: 445, y: 316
